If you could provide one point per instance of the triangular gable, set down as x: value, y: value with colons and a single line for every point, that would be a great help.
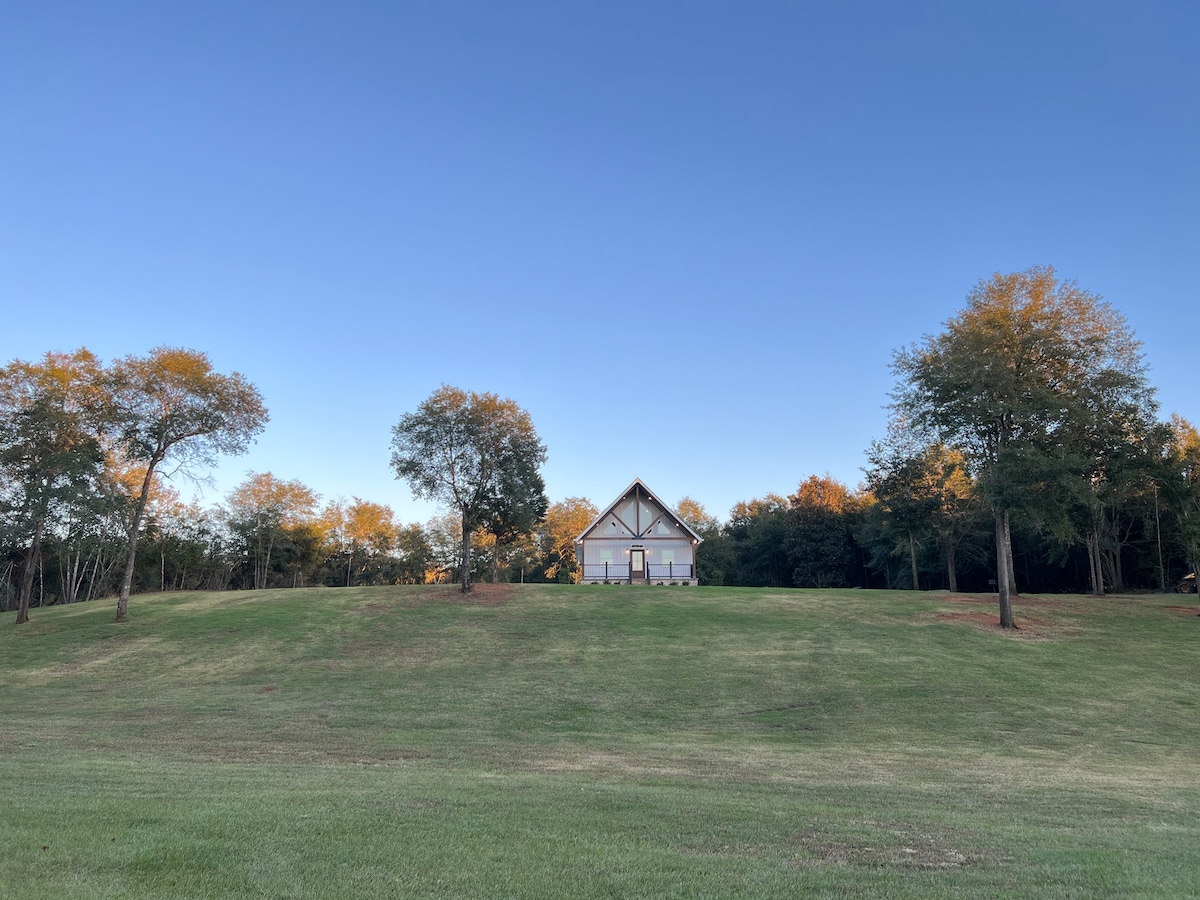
x: 638, y: 512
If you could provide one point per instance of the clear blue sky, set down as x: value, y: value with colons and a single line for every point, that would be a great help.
x: 685, y: 236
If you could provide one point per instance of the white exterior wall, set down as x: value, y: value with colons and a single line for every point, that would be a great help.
x: 638, y: 519
x: 682, y: 548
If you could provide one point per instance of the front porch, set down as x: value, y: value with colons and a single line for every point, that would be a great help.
x: 650, y: 573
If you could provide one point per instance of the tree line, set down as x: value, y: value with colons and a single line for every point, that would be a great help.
x: 82, y: 446
x: 1024, y: 452
x: 274, y: 533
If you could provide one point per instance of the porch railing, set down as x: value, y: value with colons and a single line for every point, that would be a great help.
x: 654, y: 571
x: 669, y: 571
x: 606, y: 571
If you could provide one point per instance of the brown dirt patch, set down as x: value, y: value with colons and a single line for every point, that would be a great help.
x: 1042, y: 602
x: 1028, y: 628
x: 1183, y: 610
x: 376, y: 607
x: 480, y: 595
x: 970, y: 598
x: 896, y: 844
x: 1018, y: 600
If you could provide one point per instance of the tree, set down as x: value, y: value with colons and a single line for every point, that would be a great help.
x: 415, y: 554
x: 171, y: 405
x: 443, y: 536
x: 472, y: 452
x: 1119, y: 441
x: 565, y: 521
x: 818, y: 541
x: 758, y: 532
x: 262, y: 510
x: 716, y: 559
x: 697, y: 518
x: 514, y: 512
x: 49, y: 453
x: 1018, y: 380
x: 923, y: 492
x: 1181, y: 487
x: 371, y: 528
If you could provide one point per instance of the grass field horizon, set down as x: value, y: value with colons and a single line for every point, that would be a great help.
x: 601, y: 741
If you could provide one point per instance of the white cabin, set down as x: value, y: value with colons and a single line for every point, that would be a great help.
x: 638, y: 539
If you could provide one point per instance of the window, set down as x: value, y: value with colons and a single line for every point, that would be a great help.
x: 647, y: 517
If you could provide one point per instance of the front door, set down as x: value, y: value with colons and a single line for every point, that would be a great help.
x: 637, y: 564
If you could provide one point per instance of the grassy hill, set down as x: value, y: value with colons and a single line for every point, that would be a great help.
x: 549, y: 741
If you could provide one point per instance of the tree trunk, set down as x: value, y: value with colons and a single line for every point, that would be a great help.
x: 1003, y: 568
x: 496, y: 561
x: 72, y: 575
x: 1118, y: 573
x: 131, y: 557
x: 951, y: 571
x: 1012, y: 572
x: 6, y: 581
x: 1094, y: 564
x: 912, y: 556
x: 1091, y: 565
x: 466, y: 556
x: 266, y: 565
x: 94, y: 581
x: 35, y: 551
x: 1162, y: 570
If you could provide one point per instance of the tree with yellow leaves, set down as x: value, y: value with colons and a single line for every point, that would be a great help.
x: 262, y: 510
x: 171, y: 406
x: 565, y: 521
x: 49, y: 453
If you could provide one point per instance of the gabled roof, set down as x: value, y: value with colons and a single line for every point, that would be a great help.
x: 637, y: 482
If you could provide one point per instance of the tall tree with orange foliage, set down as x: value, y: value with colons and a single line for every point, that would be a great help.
x: 371, y: 529
x: 49, y: 452
x: 564, y: 522
x: 698, y: 518
x: 819, y: 542
x: 262, y: 509
x: 170, y: 406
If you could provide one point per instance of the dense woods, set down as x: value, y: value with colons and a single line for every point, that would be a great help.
x: 1025, y: 453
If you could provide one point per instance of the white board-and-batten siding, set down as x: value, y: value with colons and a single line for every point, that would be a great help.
x: 638, y: 519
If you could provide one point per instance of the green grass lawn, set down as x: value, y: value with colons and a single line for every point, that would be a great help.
x: 551, y: 741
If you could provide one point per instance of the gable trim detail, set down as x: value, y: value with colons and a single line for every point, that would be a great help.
x: 635, y: 529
